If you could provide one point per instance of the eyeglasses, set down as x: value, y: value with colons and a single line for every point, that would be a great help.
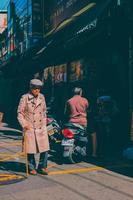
x: 35, y: 88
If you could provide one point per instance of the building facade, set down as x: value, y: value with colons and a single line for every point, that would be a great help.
x: 3, y: 36
x: 24, y: 25
x: 93, y: 39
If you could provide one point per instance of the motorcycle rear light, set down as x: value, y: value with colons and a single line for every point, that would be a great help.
x: 67, y: 133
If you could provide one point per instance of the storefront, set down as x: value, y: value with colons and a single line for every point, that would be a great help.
x: 94, y: 50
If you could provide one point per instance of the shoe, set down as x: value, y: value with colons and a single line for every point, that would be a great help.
x: 43, y: 171
x: 33, y: 172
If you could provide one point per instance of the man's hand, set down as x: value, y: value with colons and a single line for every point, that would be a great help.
x: 26, y: 128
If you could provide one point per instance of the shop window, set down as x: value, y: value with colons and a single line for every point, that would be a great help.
x: 77, y: 71
x: 60, y: 73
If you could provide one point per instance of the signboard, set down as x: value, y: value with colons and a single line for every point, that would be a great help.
x: 78, y: 71
x: 60, y: 73
x: 48, y: 75
x: 3, y: 22
x: 59, y: 11
x: 12, y: 43
x: 55, y: 74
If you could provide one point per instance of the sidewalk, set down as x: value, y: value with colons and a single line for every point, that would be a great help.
x: 93, y: 180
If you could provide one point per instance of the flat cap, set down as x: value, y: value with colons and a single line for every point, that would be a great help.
x: 36, y: 82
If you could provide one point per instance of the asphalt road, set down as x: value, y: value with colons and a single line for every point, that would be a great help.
x: 93, y: 180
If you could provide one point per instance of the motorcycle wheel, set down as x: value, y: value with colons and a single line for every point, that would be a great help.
x: 74, y: 156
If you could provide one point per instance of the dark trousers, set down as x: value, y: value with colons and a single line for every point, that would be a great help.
x: 42, y: 161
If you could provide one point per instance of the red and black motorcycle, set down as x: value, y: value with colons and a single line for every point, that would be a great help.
x: 74, y: 143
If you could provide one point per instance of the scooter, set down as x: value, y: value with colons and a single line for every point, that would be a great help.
x: 74, y: 143
x: 54, y: 133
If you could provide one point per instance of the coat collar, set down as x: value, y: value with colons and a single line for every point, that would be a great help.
x: 31, y: 99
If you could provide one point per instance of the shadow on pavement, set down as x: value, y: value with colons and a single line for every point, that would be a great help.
x: 114, y: 164
x: 56, y: 158
x: 12, y: 166
x: 11, y: 134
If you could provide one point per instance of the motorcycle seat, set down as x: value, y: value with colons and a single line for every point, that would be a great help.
x: 74, y: 125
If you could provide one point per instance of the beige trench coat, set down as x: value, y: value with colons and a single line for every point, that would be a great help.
x: 32, y: 112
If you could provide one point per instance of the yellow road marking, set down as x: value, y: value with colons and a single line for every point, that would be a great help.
x: 9, y: 156
x: 4, y: 175
x: 7, y: 177
x: 4, y: 154
x: 69, y: 171
x: 11, y: 144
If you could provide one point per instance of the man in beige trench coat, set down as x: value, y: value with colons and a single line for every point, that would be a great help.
x: 32, y: 118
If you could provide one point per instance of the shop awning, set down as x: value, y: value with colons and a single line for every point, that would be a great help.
x: 85, y: 21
